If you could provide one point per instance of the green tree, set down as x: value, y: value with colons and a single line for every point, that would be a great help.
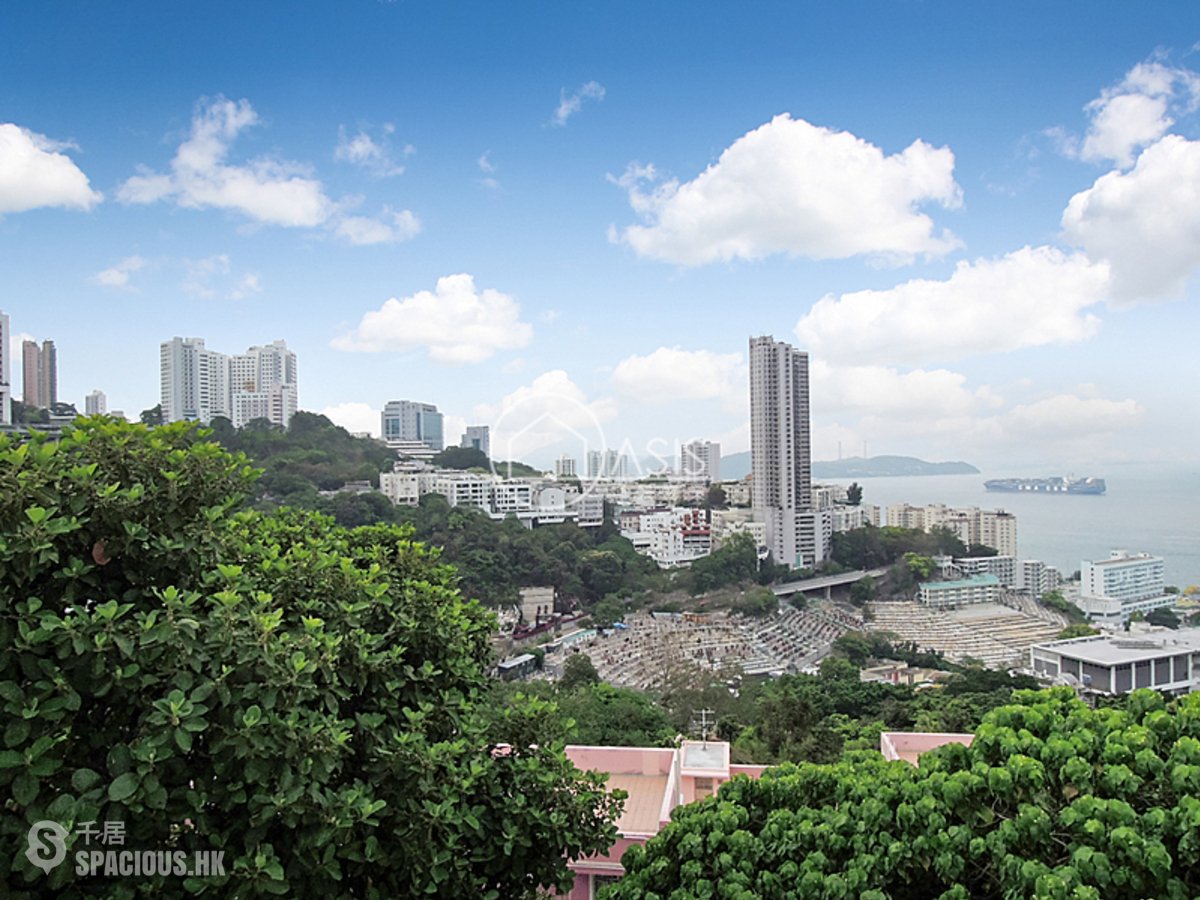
x: 302, y: 696
x: 735, y: 561
x: 716, y: 499
x: 462, y: 458
x: 854, y: 494
x: 862, y: 591
x: 1052, y: 799
x: 1163, y: 617
x: 578, y: 671
x: 614, y: 717
x: 609, y: 610
x: 1079, y: 629
x: 152, y: 416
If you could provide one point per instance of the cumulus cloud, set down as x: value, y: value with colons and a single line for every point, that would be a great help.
x: 888, y: 392
x: 455, y: 322
x: 213, y: 276
x: 265, y: 189
x: 1144, y: 222
x: 376, y: 156
x: 118, y: 276
x: 34, y: 173
x: 389, y: 228
x: 551, y: 411
x: 795, y: 188
x: 1069, y: 415
x: 1031, y: 297
x: 357, y: 418
x: 569, y: 104
x: 670, y: 374
x: 1137, y: 112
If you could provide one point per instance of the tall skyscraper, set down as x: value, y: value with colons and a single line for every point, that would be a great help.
x: 95, y: 404
x: 781, y: 455
x: 199, y: 384
x: 407, y: 420
x: 5, y: 368
x: 701, y: 461
x: 39, y: 371
x: 478, y: 437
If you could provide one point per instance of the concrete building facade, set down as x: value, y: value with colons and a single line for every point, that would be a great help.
x: 1113, y: 589
x: 1165, y: 661
x: 477, y: 437
x: 408, y: 420
x: 5, y: 369
x: 781, y: 455
x: 701, y: 461
x: 95, y: 404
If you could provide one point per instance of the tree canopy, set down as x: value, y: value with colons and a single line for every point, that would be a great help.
x: 303, y: 696
x: 1053, y: 799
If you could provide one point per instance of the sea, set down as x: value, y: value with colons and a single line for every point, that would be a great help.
x: 1148, y: 507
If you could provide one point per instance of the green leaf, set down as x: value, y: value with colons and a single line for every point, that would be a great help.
x: 11, y: 759
x: 123, y: 787
x: 183, y: 739
x: 252, y: 716
x: 37, y: 514
x: 83, y: 780
x: 24, y: 789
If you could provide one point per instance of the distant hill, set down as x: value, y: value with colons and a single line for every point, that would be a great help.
x: 737, y: 465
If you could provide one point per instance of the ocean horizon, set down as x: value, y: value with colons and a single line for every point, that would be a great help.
x: 1150, y: 507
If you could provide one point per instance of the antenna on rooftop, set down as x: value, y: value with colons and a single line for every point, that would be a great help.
x: 706, y: 722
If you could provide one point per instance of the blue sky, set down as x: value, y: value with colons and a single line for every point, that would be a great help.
x: 565, y: 219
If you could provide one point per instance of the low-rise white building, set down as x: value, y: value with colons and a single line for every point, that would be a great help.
x: 1113, y: 589
x: 1163, y: 660
x: 946, y: 594
x: 1003, y: 567
x: 1035, y: 578
x: 671, y: 537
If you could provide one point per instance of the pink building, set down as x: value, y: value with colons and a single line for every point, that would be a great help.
x: 909, y: 745
x: 656, y: 780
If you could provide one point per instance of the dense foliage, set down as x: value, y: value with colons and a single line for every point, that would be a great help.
x: 1053, y: 799
x: 304, y: 697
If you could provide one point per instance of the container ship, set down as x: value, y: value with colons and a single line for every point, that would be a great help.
x: 1047, y: 485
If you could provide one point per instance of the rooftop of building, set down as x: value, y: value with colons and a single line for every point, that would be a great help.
x: 1108, y: 650
x: 973, y: 581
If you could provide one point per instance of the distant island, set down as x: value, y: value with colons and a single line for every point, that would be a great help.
x: 737, y: 465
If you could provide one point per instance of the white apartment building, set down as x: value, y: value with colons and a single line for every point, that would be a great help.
x: 1111, y: 590
x: 1003, y: 567
x: 737, y: 493
x: 671, y: 537
x: 700, y: 461
x: 1035, y: 578
x: 411, y: 421
x: 781, y: 456
x: 607, y: 464
x: 564, y: 467
x: 477, y: 437
x: 198, y: 384
x: 847, y: 518
x: 952, y: 594
x: 5, y: 369
x: 1162, y: 660
x: 992, y: 528
x: 95, y: 404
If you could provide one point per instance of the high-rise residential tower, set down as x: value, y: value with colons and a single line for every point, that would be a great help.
x: 95, y: 404
x: 199, y: 384
x: 5, y: 369
x: 781, y: 455
x: 478, y: 437
x: 406, y: 420
x: 39, y: 371
x: 701, y: 461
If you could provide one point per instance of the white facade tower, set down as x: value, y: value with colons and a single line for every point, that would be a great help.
x: 781, y: 455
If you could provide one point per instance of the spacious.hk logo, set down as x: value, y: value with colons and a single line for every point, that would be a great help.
x: 95, y: 853
x: 537, y: 422
x: 47, y: 845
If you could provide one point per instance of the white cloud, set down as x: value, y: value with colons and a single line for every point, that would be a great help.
x: 569, y: 104
x: 671, y: 374
x: 376, y: 156
x: 888, y: 392
x: 389, y: 228
x: 1145, y: 222
x: 213, y: 276
x: 551, y: 411
x: 1069, y: 415
x: 266, y: 190
x: 34, y: 173
x: 357, y: 418
x: 1031, y: 297
x: 118, y: 276
x: 455, y: 322
x: 248, y: 285
x: 488, y: 168
x: 795, y: 188
x: 1137, y: 111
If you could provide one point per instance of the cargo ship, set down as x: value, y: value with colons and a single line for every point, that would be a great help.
x: 1047, y: 485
